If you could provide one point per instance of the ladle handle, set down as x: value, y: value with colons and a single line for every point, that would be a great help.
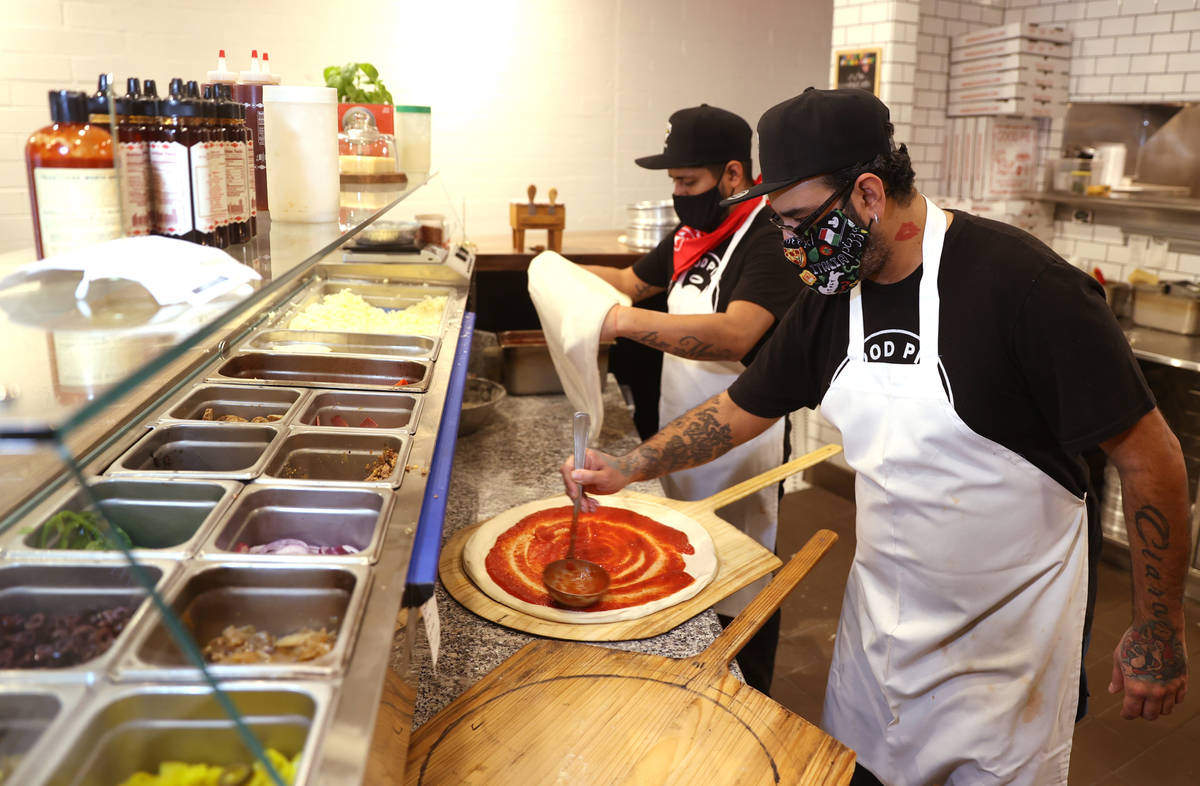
x: 715, y: 659
x: 582, y: 423
x: 580, y: 428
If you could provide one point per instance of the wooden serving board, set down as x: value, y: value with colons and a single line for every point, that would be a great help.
x: 740, y: 561
x: 558, y: 712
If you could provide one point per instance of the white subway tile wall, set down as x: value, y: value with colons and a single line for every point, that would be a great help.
x: 1112, y: 63
x: 561, y: 94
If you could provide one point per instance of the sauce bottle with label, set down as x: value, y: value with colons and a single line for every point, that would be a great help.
x: 170, y: 167
x: 133, y: 151
x: 211, y: 158
x: 73, y: 190
x: 242, y: 130
x: 249, y: 93
x: 236, y: 196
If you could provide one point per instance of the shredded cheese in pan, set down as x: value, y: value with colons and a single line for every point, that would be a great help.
x: 348, y: 312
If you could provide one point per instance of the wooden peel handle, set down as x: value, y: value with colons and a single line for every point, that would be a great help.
x: 748, y: 487
x: 716, y: 658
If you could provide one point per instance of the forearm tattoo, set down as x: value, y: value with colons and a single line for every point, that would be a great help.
x: 694, y: 439
x: 689, y: 347
x: 1153, y: 650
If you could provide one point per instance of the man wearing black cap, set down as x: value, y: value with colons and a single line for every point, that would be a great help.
x: 967, y: 367
x: 727, y: 285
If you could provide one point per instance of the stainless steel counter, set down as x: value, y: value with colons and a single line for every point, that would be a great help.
x: 1159, y: 346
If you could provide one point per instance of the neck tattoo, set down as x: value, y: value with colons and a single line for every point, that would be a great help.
x: 908, y: 230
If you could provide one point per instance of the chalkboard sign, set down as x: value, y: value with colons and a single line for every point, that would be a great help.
x: 858, y: 68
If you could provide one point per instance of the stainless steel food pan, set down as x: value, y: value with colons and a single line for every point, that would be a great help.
x: 323, y: 342
x: 385, y: 295
x: 344, y: 372
x: 163, y: 518
x: 277, y: 598
x: 316, y: 515
x: 329, y: 456
x: 391, y: 411
x: 200, y: 450
x: 241, y: 400
x: 131, y: 729
x: 63, y: 589
x: 27, y: 715
x: 528, y: 368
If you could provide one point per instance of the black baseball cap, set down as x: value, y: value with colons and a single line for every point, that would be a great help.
x: 701, y: 135
x: 815, y: 133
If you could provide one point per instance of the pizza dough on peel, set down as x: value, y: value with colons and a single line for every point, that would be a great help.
x: 702, y: 564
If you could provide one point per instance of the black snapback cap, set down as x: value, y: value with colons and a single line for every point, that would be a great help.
x: 815, y: 133
x: 699, y: 136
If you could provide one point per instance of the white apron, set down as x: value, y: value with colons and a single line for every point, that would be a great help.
x: 687, y: 383
x: 958, y: 651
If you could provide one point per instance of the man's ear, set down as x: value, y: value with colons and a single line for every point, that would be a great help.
x: 733, y: 176
x: 870, y: 192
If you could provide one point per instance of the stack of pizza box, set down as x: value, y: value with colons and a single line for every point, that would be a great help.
x: 1014, y: 70
x: 991, y: 157
x: 1003, y: 81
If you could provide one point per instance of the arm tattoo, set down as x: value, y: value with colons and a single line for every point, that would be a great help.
x: 1155, y: 535
x: 641, y: 290
x: 689, y: 347
x: 1153, y: 652
x: 696, y: 438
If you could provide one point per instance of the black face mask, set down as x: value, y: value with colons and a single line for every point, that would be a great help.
x: 700, y: 211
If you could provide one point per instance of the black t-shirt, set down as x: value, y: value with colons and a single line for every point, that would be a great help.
x: 1032, y: 354
x: 757, y: 272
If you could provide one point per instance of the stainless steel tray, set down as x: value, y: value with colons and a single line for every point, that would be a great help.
x: 135, y: 728
x: 163, y: 517
x: 528, y: 368
x: 280, y: 598
x: 344, y: 372
x: 433, y: 265
x: 200, y: 450
x: 29, y: 717
x: 322, y: 342
x: 65, y: 588
x: 242, y: 400
x: 392, y: 411
x: 381, y: 294
x: 336, y: 457
x: 317, y: 515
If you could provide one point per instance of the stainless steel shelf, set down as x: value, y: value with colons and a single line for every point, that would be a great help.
x: 1179, y: 204
x: 1161, y: 217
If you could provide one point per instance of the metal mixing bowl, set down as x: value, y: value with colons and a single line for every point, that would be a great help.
x: 480, y: 399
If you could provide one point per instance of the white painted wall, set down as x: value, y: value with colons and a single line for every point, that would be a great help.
x: 560, y: 93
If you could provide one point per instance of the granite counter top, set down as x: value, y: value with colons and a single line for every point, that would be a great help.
x: 512, y: 460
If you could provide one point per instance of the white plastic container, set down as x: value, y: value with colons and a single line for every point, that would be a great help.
x: 413, y: 138
x: 302, y: 152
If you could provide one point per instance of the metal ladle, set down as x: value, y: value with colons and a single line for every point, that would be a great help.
x: 576, y: 582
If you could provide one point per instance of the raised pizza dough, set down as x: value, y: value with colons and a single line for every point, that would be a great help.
x: 702, y: 564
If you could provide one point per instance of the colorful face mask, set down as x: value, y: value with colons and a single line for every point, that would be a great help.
x: 829, y: 253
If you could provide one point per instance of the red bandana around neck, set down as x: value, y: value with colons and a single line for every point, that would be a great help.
x: 691, y: 243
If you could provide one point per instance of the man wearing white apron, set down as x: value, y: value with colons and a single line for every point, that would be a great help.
x: 967, y: 366
x: 727, y: 285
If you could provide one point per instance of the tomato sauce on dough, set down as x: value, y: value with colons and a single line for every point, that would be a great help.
x: 644, y: 558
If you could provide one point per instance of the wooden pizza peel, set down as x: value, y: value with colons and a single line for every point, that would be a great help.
x: 559, y: 712
x: 740, y: 561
